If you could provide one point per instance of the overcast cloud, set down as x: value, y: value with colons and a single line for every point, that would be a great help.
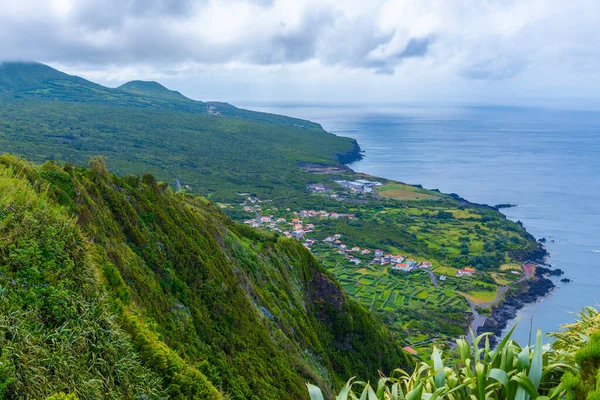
x: 398, y: 49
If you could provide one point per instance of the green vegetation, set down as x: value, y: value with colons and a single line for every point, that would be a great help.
x: 399, y: 191
x: 117, y: 287
x: 140, y: 128
x: 569, y: 369
x: 217, y: 150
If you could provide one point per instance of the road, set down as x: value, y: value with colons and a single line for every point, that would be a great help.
x: 478, y: 319
x: 434, y: 281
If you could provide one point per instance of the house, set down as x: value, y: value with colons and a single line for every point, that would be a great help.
x: 355, y: 248
x: 343, y: 246
x: 248, y: 208
x: 296, y: 221
x: 426, y: 264
x: 337, y: 236
x: 334, y: 215
x: 298, y: 234
x: 397, y: 259
x: 328, y: 239
x: 342, y: 252
x: 354, y: 260
x: 402, y: 267
x: 265, y: 218
x: 378, y: 253
x: 469, y: 269
x: 304, y: 213
x: 297, y: 227
x: 280, y: 220
x: 442, y: 278
x: 310, y: 226
x: 464, y: 272
x: 365, y: 251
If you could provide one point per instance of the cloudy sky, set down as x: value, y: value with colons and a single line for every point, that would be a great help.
x: 501, y: 51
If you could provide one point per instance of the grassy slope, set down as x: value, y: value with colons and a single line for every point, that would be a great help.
x: 204, y: 302
x: 143, y: 127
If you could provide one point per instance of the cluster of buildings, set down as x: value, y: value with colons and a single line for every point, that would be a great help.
x: 335, y: 242
x: 359, y: 185
x: 253, y: 200
x: 298, y: 227
x: 397, y: 262
x: 322, y: 214
x: 317, y: 188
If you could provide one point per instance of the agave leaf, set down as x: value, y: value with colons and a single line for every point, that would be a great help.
x: 499, y: 375
x: 523, y: 360
x: 395, y: 391
x: 314, y: 392
x: 363, y: 395
x: 481, y: 379
x: 438, y: 367
x: 535, y: 373
x: 526, y: 387
x: 381, y: 387
x: 343, y: 395
x: 371, y: 393
x: 416, y: 393
x: 500, y: 354
x: 464, y: 349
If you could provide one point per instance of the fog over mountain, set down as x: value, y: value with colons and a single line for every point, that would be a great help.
x: 395, y: 50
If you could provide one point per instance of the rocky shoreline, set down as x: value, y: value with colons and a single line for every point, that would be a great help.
x: 536, y: 288
x: 356, y: 154
x: 529, y: 291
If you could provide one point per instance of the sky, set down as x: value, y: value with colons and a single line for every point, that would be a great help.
x: 488, y: 51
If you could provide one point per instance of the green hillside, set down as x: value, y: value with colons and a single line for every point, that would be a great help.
x: 255, y: 164
x: 119, y: 288
x: 143, y: 127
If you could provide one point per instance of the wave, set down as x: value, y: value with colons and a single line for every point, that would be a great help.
x: 595, y: 251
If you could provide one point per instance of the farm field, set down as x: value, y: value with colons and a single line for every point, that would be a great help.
x: 397, y: 191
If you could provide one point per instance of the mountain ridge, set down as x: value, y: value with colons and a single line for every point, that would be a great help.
x: 210, y: 306
x: 151, y: 88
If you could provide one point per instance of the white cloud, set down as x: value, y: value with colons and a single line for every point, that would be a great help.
x: 442, y: 40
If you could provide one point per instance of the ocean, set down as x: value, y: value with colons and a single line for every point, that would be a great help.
x: 546, y: 161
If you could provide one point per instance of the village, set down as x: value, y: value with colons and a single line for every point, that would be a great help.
x: 300, y: 229
x: 386, y: 280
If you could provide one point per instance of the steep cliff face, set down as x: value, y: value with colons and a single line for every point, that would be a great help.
x: 179, y: 299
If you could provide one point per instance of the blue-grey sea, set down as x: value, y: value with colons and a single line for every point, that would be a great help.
x: 547, y: 161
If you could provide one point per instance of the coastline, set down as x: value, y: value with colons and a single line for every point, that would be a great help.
x: 536, y: 288
x: 529, y: 290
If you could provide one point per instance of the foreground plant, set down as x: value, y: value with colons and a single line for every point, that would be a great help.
x: 579, y: 343
x: 507, y: 372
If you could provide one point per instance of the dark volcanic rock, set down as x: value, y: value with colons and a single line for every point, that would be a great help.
x: 353, y: 155
x: 504, y: 205
x: 507, y: 310
x: 551, y: 272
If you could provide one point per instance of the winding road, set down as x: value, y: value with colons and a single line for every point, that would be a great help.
x: 478, y: 319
